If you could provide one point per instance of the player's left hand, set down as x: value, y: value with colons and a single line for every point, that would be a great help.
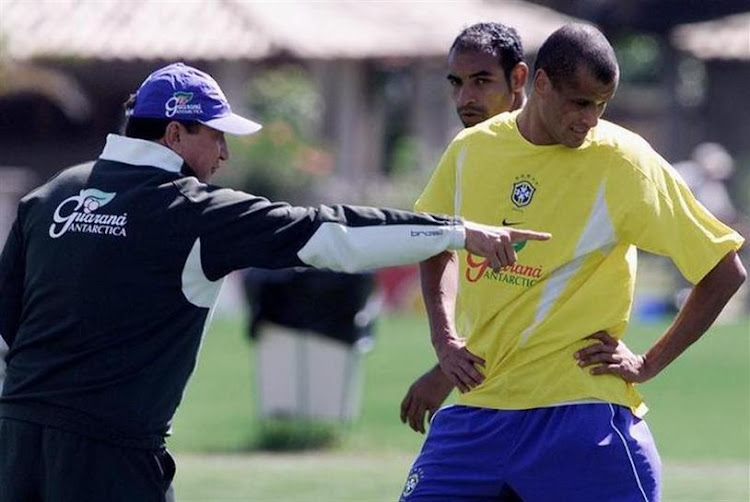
x: 610, y: 356
x: 424, y: 398
x: 458, y: 363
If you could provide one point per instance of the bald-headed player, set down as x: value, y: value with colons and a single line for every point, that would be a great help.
x: 543, y: 410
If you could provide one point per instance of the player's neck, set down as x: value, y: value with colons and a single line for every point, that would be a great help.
x: 531, y: 126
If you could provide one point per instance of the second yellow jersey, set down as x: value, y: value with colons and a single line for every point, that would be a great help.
x: 600, y: 202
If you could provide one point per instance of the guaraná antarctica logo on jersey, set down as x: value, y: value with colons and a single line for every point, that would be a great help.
x: 524, y: 188
x: 411, y: 482
x: 515, y: 275
x: 79, y: 214
x: 180, y: 103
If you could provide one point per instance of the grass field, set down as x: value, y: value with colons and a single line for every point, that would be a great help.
x: 700, y: 415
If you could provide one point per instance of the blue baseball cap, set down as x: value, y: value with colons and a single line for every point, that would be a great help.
x: 181, y: 92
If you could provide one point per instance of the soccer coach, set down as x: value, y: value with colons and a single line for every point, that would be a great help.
x: 110, y: 273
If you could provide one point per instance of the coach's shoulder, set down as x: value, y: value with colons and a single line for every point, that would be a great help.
x: 69, y: 179
x: 200, y: 193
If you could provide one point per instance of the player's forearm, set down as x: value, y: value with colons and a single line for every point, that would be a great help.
x: 704, y: 304
x: 439, y: 279
x: 441, y: 381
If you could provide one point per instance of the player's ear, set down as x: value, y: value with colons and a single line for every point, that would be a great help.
x: 518, y: 77
x: 542, y: 84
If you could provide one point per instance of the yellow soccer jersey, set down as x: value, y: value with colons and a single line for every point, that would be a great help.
x: 600, y: 202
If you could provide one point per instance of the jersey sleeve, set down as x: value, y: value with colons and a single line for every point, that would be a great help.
x: 241, y: 230
x: 665, y: 218
x: 439, y: 196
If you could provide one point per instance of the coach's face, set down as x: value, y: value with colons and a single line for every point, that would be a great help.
x: 203, y: 150
x: 479, y: 87
x: 570, y: 109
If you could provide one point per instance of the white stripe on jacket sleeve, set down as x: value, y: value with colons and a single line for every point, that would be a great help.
x: 3, y: 353
x: 352, y: 249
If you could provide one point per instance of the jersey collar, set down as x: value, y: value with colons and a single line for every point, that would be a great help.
x: 140, y: 152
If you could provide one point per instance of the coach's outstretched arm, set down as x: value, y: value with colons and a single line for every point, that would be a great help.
x: 343, y: 238
x: 349, y: 248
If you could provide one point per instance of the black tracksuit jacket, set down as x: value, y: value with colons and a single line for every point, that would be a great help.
x: 111, y: 269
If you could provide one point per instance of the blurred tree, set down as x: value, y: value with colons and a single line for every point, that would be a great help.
x: 284, y: 161
x: 641, y: 56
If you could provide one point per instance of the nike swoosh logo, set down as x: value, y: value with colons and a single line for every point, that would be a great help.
x: 507, y: 223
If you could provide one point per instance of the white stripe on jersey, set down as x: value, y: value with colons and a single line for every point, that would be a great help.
x: 599, y: 233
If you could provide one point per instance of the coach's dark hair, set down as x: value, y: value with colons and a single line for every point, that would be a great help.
x: 576, y: 44
x: 148, y: 128
x: 497, y: 39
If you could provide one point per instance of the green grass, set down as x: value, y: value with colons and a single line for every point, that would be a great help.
x: 371, y: 477
x: 700, y: 405
x: 700, y: 416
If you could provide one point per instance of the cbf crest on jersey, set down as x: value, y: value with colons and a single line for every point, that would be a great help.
x: 411, y: 483
x: 523, y: 190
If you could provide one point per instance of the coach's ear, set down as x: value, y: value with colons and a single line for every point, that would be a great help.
x: 173, y: 135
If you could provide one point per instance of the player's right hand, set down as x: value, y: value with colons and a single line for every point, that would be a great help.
x: 496, y: 243
x: 424, y: 398
x: 610, y: 356
x: 458, y: 364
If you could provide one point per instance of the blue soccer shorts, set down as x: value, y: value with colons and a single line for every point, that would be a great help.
x: 574, y: 453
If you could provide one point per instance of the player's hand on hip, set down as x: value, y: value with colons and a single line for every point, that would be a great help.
x: 610, y: 356
x: 458, y: 364
x: 496, y: 243
x: 424, y: 397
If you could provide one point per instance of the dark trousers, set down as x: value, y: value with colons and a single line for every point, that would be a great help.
x: 44, y: 464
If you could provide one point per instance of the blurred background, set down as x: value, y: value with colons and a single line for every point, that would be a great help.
x: 353, y: 95
x: 357, y: 109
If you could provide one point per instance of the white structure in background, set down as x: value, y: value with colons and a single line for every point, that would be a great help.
x: 14, y: 183
x: 306, y: 375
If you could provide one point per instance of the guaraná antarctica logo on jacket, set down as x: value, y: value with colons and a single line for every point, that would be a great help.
x: 524, y: 188
x: 79, y: 214
x: 180, y: 103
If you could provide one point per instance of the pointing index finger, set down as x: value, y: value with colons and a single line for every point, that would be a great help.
x: 519, y: 234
